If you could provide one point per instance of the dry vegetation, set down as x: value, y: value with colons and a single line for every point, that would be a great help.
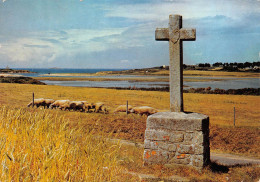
x: 59, y: 145
x: 212, y: 73
x: 41, y: 146
x: 166, y: 73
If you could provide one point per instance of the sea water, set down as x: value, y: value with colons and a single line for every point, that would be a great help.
x: 222, y: 83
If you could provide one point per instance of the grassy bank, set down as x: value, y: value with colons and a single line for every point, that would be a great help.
x: 160, y: 72
x: 55, y: 141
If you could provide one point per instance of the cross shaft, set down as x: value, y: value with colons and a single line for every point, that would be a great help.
x: 175, y: 35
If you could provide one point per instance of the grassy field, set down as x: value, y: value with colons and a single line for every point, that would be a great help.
x: 219, y: 107
x: 27, y: 132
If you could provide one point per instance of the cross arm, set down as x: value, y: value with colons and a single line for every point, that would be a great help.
x: 162, y: 34
x: 188, y: 34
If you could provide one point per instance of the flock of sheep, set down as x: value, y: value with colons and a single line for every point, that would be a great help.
x: 84, y: 106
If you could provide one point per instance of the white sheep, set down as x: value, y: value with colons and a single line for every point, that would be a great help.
x: 61, y: 104
x: 88, y: 106
x: 122, y: 108
x: 144, y: 110
x: 48, y: 102
x: 76, y: 105
x: 37, y: 102
x: 99, y: 106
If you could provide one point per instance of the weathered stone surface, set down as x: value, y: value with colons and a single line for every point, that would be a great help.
x: 186, y: 149
x: 198, y: 138
x: 172, y: 147
x: 159, y: 135
x: 155, y: 156
x: 181, y: 159
x: 188, y: 137
x: 175, y: 138
x: 199, y: 149
x: 156, y: 145
x: 197, y: 160
x: 175, y: 35
x: 178, y: 121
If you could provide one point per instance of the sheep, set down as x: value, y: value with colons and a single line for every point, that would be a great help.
x: 37, y: 102
x: 122, y: 108
x: 144, y: 110
x: 48, y: 102
x: 77, y: 105
x: 61, y: 104
x: 104, y: 109
x: 99, y: 106
x: 88, y: 106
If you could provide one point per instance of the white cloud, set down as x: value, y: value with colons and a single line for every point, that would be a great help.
x: 188, y: 9
x: 124, y: 61
x: 27, y: 49
x: 47, y: 46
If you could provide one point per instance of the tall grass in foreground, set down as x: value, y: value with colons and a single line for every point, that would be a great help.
x: 42, y: 147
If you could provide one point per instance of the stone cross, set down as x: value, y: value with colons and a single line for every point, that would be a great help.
x: 175, y: 34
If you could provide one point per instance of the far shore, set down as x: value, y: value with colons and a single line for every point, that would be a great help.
x: 193, y: 73
x: 130, y: 79
x: 9, y: 75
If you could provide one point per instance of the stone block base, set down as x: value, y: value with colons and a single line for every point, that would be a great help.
x: 177, y: 138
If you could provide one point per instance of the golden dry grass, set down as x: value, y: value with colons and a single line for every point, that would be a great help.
x: 67, y: 135
x: 44, y: 147
x: 220, y: 108
x: 39, y: 146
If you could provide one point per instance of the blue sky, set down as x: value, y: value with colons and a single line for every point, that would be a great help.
x: 120, y: 33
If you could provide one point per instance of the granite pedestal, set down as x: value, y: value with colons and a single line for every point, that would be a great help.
x: 177, y: 138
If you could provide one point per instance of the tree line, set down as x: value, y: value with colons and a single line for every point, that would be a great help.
x: 235, y: 65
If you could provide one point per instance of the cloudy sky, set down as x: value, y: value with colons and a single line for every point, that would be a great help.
x: 120, y: 33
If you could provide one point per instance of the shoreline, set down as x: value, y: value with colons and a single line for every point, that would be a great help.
x: 130, y: 79
x: 193, y: 73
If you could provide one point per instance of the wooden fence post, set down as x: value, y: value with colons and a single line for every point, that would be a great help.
x: 234, y: 116
x: 33, y: 99
x: 127, y: 107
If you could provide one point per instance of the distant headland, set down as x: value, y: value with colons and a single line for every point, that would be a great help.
x: 8, y: 70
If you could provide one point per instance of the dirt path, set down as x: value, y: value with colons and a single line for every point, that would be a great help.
x: 230, y: 159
